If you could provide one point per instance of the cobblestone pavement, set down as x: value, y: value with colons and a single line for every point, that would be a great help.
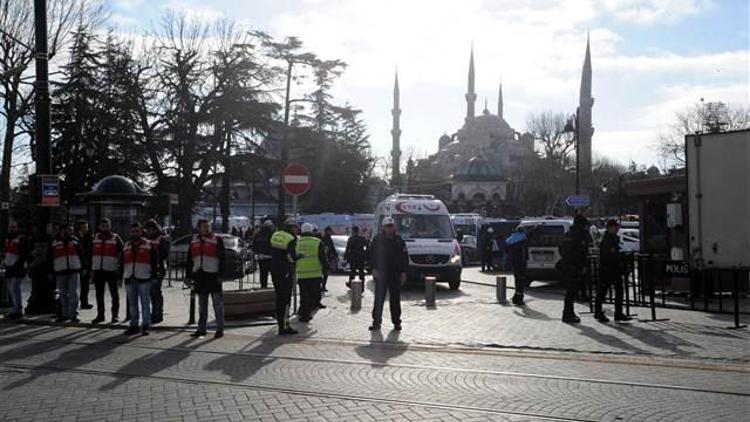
x: 69, y: 373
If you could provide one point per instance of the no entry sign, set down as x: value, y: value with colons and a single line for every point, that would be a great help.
x: 297, y: 179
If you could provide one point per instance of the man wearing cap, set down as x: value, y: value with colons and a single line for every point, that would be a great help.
x: 356, y: 255
x: 610, y: 273
x: 487, y: 246
x: 283, y: 258
x: 390, y: 261
x: 262, y: 249
x: 573, y: 252
x: 310, y: 266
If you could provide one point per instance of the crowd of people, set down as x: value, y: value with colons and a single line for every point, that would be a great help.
x: 76, y: 258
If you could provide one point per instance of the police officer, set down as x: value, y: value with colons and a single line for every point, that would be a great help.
x: 262, y: 249
x: 160, y: 241
x: 85, y: 239
x: 610, y: 273
x: 106, y: 268
x: 356, y: 255
x: 66, y: 257
x: 487, y: 248
x: 574, y: 251
x: 332, y: 257
x: 310, y: 267
x: 140, y: 261
x: 205, y: 259
x: 18, y: 249
x: 390, y: 261
x: 283, y: 258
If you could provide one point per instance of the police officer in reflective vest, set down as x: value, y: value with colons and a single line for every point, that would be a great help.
x: 17, y: 254
x: 283, y: 258
x: 156, y: 236
x: 106, y: 266
x: 140, y: 267
x: 310, y: 268
x: 205, y: 260
x: 65, y: 255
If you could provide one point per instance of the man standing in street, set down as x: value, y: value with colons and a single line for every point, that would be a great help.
x: 310, y: 267
x: 610, y: 273
x: 517, y: 246
x: 390, y: 261
x: 159, y: 240
x: 332, y: 257
x: 262, y: 249
x: 65, y: 255
x: 18, y: 248
x: 488, y: 243
x: 205, y: 260
x: 85, y: 239
x: 573, y: 252
x: 140, y: 267
x: 284, y: 256
x: 106, y: 268
x: 356, y: 255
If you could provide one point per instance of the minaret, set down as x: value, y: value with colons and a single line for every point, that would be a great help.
x: 396, y: 134
x: 471, y: 96
x: 585, y: 129
x: 500, y: 101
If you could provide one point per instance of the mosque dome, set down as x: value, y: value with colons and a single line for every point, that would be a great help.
x: 478, y: 169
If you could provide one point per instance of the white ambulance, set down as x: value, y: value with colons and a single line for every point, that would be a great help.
x: 425, y: 225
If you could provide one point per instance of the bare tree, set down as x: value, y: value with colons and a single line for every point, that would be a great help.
x: 702, y: 117
x: 548, y: 129
x: 16, y: 56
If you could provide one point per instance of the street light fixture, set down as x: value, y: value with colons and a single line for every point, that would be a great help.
x: 572, y: 126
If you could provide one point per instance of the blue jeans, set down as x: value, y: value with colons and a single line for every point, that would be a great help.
x: 217, y: 298
x: 14, y: 288
x: 139, y: 291
x: 67, y: 286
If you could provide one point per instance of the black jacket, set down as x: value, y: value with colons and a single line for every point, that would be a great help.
x: 162, y: 245
x: 388, y: 255
x: 331, y: 253
x: 356, y: 250
x: 610, y: 260
x: 262, y: 243
x: 207, y: 282
x: 87, y: 249
x: 25, y: 247
x: 574, y: 250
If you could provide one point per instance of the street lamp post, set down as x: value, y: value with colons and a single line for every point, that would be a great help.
x: 572, y: 126
x: 42, y: 298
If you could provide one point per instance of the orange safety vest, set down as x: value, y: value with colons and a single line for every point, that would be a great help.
x: 137, y: 263
x: 104, y: 256
x: 204, y: 253
x: 65, y: 256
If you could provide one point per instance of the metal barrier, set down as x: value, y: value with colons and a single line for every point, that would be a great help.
x: 646, y: 283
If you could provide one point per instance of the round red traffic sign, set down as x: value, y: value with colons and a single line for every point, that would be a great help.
x: 296, y: 179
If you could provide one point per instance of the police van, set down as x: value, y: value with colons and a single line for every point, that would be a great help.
x: 425, y: 225
x: 543, y: 247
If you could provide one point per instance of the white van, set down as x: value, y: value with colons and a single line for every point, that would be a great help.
x: 544, y: 246
x: 425, y: 225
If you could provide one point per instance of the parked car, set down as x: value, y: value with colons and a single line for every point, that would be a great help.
x: 238, y: 258
x: 339, y: 242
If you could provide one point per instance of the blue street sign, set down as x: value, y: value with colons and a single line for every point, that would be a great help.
x: 578, y: 201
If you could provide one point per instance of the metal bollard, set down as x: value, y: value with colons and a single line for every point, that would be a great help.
x: 356, y: 294
x: 429, y: 292
x: 501, y: 284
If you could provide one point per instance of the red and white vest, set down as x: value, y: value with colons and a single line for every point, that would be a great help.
x: 204, y: 253
x: 65, y: 256
x: 12, y: 251
x: 105, y: 256
x: 137, y: 261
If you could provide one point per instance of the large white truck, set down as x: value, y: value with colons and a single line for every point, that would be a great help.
x: 718, y: 177
x: 425, y: 225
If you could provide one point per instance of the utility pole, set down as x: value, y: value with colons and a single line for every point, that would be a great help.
x: 284, y: 144
x: 578, y: 155
x: 41, y: 300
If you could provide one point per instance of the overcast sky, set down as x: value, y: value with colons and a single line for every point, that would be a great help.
x: 650, y: 58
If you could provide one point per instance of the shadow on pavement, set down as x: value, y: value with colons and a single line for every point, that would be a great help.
x: 240, y: 367
x: 528, y: 312
x: 379, y: 351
